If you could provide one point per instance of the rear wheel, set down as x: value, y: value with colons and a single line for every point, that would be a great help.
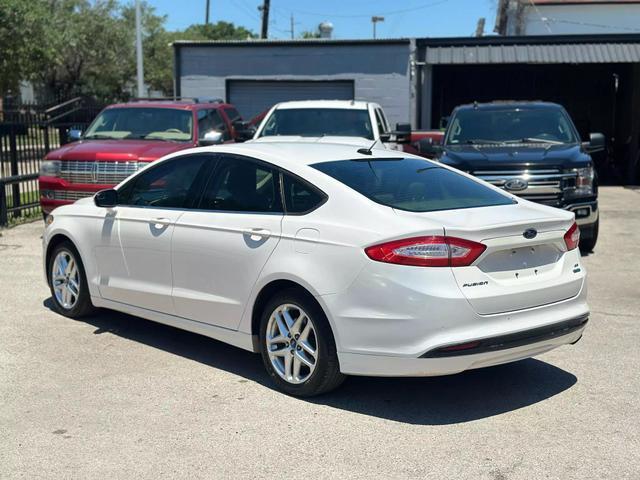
x: 68, y: 282
x: 588, y: 242
x: 298, y: 348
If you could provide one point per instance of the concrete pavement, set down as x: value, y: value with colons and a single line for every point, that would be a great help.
x: 115, y: 396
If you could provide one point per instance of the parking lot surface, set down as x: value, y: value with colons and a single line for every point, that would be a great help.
x: 114, y: 396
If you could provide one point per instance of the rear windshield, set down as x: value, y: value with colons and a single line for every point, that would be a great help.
x: 316, y: 122
x: 412, y: 184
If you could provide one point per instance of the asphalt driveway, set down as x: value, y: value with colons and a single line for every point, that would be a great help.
x: 115, y: 396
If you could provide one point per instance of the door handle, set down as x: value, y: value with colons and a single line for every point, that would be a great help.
x: 257, y: 232
x: 161, y: 221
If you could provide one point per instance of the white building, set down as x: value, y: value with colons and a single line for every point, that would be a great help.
x: 567, y: 17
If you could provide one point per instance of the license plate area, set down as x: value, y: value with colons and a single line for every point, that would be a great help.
x: 516, y: 262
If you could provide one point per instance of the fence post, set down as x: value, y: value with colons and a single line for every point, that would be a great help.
x: 13, y: 151
x: 4, y: 220
x: 62, y: 132
x: 47, y: 145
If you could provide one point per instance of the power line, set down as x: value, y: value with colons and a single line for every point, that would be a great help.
x: 393, y: 12
x: 587, y: 24
x: 247, y: 10
x: 543, y: 19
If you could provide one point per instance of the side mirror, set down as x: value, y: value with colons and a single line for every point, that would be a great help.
x: 74, y: 135
x: 403, y: 127
x: 444, y: 123
x: 596, y: 143
x: 427, y: 148
x: 244, y: 131
x: 212, y: 137
x: 106, y: 198
x: 403, y: 132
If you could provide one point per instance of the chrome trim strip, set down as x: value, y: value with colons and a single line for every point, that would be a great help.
x: 86, y: 171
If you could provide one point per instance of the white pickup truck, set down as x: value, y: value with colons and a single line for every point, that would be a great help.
x: 331, y: 121
x: 338, y: 121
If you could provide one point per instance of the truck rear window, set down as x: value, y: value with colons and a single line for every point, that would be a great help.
x: 316, y: 122
x: 412, y: 184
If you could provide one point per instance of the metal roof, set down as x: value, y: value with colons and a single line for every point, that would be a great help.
x: 257, y: 42
x: 523, y: 53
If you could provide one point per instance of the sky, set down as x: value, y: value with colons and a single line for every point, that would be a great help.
x: 350, y: 18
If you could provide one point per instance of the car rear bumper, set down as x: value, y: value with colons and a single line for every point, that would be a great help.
x: 388, y: 366
x: 390, y: 321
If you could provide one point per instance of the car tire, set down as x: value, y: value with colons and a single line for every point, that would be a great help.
x: 296, y: 313
x: 588, y: 244
x: 68, y: 286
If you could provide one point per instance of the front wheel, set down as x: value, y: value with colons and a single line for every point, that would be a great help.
x: 298, y: 348
x: 68, y: 282
x: 588, y: 243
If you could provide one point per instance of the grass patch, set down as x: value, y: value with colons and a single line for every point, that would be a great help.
x: 28, y: 215
x: 32, y: 196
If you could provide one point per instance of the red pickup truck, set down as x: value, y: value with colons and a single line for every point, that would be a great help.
x: 125, y: 137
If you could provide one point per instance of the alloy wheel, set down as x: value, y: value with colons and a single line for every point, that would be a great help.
x: 291, y: 343
x: 65, y: 279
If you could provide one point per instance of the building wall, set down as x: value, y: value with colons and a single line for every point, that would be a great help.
x: 581, y: 19
x: 381, y: 72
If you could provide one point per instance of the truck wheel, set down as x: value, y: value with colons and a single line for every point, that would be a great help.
x: 589, y: 243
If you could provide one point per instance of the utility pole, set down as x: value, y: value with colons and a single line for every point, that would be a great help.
x: 139, y: 65
x: 206, y: 15
x: 480, y: 27
x: 264, y: 33
x: 375, y: 20
x: 292, y: 33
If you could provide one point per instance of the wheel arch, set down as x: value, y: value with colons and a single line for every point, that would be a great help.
x: 53, y: 242
x: 267, y: 292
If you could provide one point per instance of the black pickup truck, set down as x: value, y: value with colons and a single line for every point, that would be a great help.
x: 531, y: 149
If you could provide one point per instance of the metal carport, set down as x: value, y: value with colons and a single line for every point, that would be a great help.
x: 596, y: 77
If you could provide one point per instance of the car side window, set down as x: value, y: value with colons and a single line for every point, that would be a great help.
x: 211, y: 120
x: 233, y: 115
x: 382, y: 125
x: 242, y: 185
x: 299, y: 196
x: 167, y: 185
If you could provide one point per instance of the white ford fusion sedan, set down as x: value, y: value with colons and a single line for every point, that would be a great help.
x: 328, y: 260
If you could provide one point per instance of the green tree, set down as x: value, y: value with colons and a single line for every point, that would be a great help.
x: 156, y: 49
x: 90, y: 49
x: 22, y: 24
x: 216, y: 31
x: 72, y: 47
x: 308, y: 34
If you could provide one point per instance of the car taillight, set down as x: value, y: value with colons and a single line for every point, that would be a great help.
x: 572, y: 237
x: 436, y: 251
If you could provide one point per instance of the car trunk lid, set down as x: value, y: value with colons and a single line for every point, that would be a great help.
x: 525, y: 263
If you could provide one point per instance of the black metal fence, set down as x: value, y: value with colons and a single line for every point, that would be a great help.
x: 27, y: 133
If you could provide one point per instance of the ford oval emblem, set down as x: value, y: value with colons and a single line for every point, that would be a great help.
x: 530, y: 233
x: 516, y: 184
